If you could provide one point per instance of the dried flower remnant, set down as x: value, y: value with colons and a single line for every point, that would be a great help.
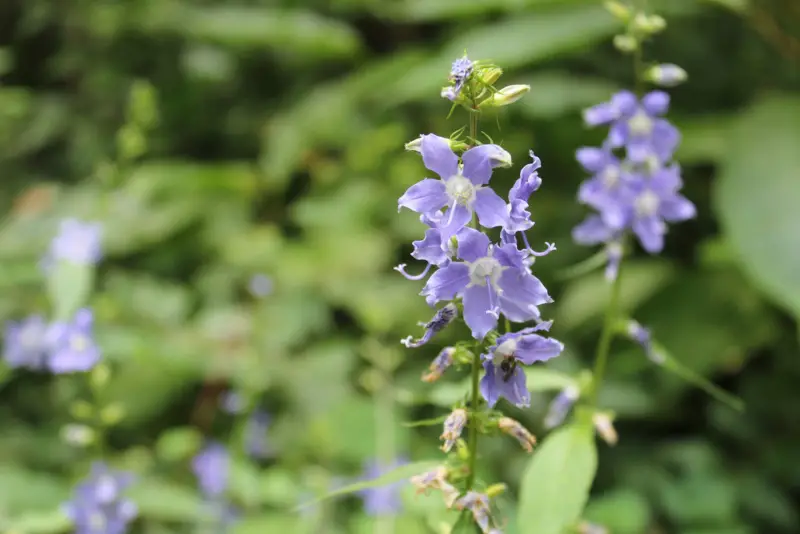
x: 515, y: 429
x: 440, y: 320
x: 439, y: 365
x: 453, y: 426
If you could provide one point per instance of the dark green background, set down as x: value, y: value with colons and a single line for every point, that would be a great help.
x: 277, y: 149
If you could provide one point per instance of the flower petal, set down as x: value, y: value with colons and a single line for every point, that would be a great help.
x: 592, y: 231
x: 446, y: 283
x: 592, y: 159
x: 650, y: 231
x: 478, y: 302
x: 472, y: 244
x: 510, y: 256
x: 425, y: 196
x: 456, y: 218
x: 677, y: 208
x: 430, y: 249
x: 480, y: 160
x: 438, y: 156
x: 656, y: 102
x: 534, y: 348
x: 522, y: 293
x: 519, y: 218
x: 489, y: 390
x: 491, y: 209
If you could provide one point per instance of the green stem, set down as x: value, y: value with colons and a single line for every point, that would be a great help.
x: 604, y: 345
x: 476, y: 365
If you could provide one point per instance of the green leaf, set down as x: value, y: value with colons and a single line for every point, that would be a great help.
x: 586, y: 298
x: 178, y: 444
x: 622, y: 512
x: 542, y: 379
x: 758, y: 194
x: 556, y: 93
x: 399, y: 474
x: 166, y: 501
x: 556, y: 483
x: 22, y: 490
x: 68, y: 286
x: 40, y: 523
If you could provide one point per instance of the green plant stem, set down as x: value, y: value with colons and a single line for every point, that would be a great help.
x: 476, y: 366
x: 604, y: 345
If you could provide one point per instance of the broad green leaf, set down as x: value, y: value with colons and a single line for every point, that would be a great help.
x: 162, y: 500
x: 703, y: 139
x: 556, y: 483
x: 622, y: 512
x: 24, y: 491
x: 758, y: 193
x: 402, y: 473
x: 69, y: 286
x: 52, y: 522
x: 543, y: 379
x: 586, y: 298
x: 262, y: 524
x: 556, y: 93
x: 178, y: 444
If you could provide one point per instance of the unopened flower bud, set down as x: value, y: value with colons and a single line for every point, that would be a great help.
x: 641, y: 335
x: 453, y: 426
x: 490, y: 75
x: 496, y: 489
x: 666, y: 75
x: 625, y: 43
x: 618, y: 10
x: 439, y: 365
x: 603, y: 424
x: 561, y: 406
x: 442, y: 318
x: 515, y: 429
x: 505, y: 96
x: 649, y: 24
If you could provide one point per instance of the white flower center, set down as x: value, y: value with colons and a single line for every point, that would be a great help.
x: 460, y: 190
x: 610, y: 176
x: 484, y: 268
x: 640, y: 124
x: 505, y: 350
x: 647, y: 204
x: 79, y: 343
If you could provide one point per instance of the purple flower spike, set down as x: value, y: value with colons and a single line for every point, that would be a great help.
x: 72, y: 344
x: 504, y: 375
x: 211, y: 467
x: 26, y: 343
x: 98, y: 505
x: 462, y: 190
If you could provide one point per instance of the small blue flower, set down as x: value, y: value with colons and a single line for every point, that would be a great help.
x: 211, y: 466
x: 76, y: 242
x: 504, y: 375
x: 26, y: 343
x: 98, y: 506
x: 491, y: 280
x: 381, y: 500
x: 72, y: 344
x: 462, y: 189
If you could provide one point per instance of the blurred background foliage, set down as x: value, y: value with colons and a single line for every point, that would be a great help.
x: 220, y: 140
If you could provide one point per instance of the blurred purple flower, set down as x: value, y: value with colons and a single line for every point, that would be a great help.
x: 76, y: 242
x: 211, y: 466
x: 461, y: 190
x: 231, y: 402
x: 505, y: 376
x: 560, y: 406
x: 72, y: 344
x: 26, y: 343
x: 382, y: 500
x: 260, y: 285
x: 460, y: 72
x: 98, y: 506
